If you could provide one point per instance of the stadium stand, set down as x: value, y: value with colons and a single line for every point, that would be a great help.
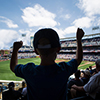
x: 91, y: 52
x: 91, y: 48
x: 25, y: 52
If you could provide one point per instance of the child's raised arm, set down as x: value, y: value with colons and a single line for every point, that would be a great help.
x: 14, y: 59
x: 79, y: 51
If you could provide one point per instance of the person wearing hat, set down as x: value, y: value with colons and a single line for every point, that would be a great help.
x: 93, y: 86
x: 11, y: 94
x: 86, y: 76
x: 48, y: 80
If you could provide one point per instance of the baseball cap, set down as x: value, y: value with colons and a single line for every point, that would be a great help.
x: 87, y: 72
x: 49, y: 34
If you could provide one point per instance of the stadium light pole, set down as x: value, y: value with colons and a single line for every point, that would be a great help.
x: 31, y: 40
x: 23, y: 37
x: 96, y: 28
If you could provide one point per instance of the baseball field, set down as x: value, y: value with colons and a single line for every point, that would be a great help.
x: 7, y: 74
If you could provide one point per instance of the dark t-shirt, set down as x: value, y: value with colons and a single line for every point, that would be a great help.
x: 76, y: 82
x: 46, y: 82
x: 85, y: 80
x: 91, y: 71
x: 11, y: 95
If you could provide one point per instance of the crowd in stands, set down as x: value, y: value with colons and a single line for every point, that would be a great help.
x: 86, y: 57
x: 4, y: 58
x: 85, y: 42
x: 11, y: 94
x: 24, y: 48
x: 26, y: 55
x: 25, y: 51
x: 93, y: 49
x: 20, y: 56
x: 80, y: 79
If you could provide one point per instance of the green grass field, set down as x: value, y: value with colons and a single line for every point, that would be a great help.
x: 7, y: 74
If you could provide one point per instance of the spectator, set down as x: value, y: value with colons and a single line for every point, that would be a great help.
x: 87, y: 68
x: 90, y: 69
x: 93, y: 86
x: 23, y: 86
x: 86, y: 76
x: 76, y: 80
x: 47, y: 81
x: 11, y: 94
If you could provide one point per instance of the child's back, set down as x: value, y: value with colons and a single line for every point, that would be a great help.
x: 47, y: 81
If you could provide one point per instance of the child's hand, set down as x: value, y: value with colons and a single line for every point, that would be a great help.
x: 17, y: 45
x: 79, y: 34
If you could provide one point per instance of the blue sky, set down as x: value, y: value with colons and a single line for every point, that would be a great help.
x: 19, y: 17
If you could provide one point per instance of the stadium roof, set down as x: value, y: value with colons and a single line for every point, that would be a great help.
x: 24, y: 46
x: 84, y: 36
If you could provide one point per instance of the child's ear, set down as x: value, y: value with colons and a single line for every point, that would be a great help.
x: 36, y: 52
x: 58, y: 49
